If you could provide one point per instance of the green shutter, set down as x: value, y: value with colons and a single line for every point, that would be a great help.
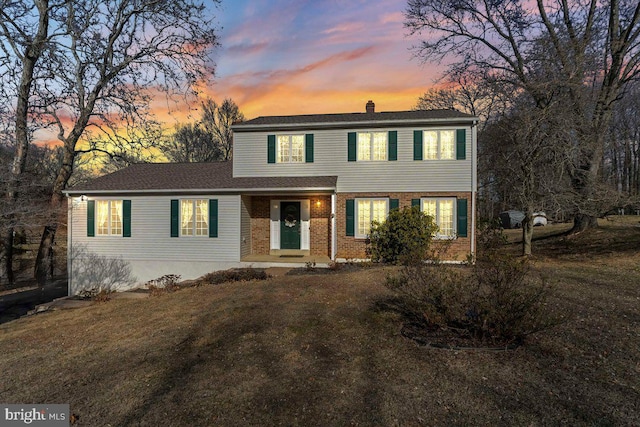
x: 417, y: 145
x: 351, y: 213
x: 351, y: 147
x: 415, y: 202
x: 91, y: 218
x: 461, y: 144
x: 126, y: 218
x: 271, y: 148
x: 213, y: 218
x: 308, y: 148
x: 394, y: 204
x: 462, y: 217
x: 393, y: 145
x: 175, y: 214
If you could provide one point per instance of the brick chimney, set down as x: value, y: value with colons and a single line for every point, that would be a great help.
x: 371, y: 107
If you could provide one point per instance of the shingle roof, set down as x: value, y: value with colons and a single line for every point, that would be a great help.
x: 215, y: 176
x: 355, y: 118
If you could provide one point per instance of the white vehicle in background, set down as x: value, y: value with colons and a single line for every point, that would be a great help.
x: 514, y: 219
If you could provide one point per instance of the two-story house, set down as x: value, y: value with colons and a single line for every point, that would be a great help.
x: 300, y: 188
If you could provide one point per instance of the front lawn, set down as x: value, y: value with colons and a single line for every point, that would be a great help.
x: 324, y: 349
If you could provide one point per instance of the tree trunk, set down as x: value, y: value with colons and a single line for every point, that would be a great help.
x: 44, y: 260
x: 527, y: 234
x: 583, y: 222
x: 6, y: 256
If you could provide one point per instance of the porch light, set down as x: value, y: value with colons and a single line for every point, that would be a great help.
x: 83, y: 198
x: 318, y: 203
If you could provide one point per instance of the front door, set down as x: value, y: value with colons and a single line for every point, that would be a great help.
x: 289, y: 225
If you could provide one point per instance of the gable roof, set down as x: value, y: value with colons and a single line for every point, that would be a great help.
x: 345, y: 120
x: 194, y: 178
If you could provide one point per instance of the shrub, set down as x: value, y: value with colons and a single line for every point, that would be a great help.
x: 232, y: 275
x: 165, y: 284
x: 498, y: 301
x: 404, y: 237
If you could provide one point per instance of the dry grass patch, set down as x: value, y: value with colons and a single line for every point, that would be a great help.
x: 324, y: 350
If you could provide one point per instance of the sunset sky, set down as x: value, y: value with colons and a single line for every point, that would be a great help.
x: 299, y: 57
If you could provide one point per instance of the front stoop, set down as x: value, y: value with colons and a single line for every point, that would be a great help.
x: 289, y: 253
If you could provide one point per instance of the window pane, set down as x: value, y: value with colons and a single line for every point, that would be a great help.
x: 447, y: 144
x: 430, y: 145
x: 186, y: 217
x: 364, y: 146
x: 446, y: 217
x: 380, y: 146
x: 102, y: 217
x: 202, y: 218
x: 379, y: 210
x: 364, y: 217
x: 116, y: 217
x: 283, y: 149
x: 429, y: 208
x: 297, y: 148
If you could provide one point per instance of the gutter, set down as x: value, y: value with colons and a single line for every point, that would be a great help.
x: 72, y: 192
x: 353, y: 124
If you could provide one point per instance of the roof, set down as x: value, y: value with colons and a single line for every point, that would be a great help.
x: 194, y: 177
x: 354, y: 119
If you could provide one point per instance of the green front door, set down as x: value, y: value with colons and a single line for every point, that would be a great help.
x: 289, y: 225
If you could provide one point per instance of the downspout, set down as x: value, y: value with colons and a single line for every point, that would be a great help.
x: 474, y: 184
x: 69, y: 243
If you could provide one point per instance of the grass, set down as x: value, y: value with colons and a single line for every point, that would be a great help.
x: 321, y: 349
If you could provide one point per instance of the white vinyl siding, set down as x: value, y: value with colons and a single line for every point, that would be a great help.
x: 443, y: 212
x: 330, y: 159
x: 368, y: 210
x: 151, y: 251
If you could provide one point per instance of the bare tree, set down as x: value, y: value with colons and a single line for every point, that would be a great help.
x: 106, y: 62
x: 469, y: 94
x: 191, y: 143
x: 217, y: 121
x: 588, y: 49
x: 208, y: 140
x: 24, y: 33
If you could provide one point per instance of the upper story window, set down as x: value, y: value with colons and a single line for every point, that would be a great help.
x: 194, y: 217
x: 372, y: 146
x: 290, y: 149
x: 446, y: 144
x: 439, y: 145
x: 109, y: 217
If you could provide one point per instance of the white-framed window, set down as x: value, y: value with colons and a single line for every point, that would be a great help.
x: 372, y: 146
x: 194, y: 217
x: 442, y: 209
x: 108, y: 217
x: 368, y: 210
x: 290, y: 149
x: 439, y: 144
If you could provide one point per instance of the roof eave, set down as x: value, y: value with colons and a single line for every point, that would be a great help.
x: 71, y: 192
x: 352, y: 124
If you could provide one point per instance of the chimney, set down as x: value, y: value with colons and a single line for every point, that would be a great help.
x: 371, y: 107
